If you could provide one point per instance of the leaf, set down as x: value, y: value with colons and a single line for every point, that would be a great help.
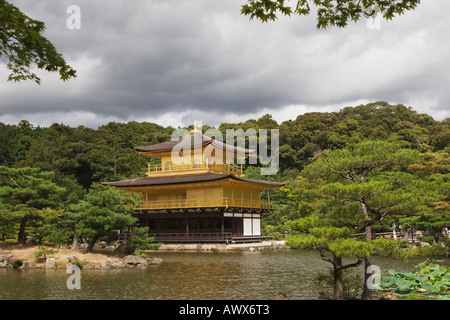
x: 434, y: 289
x: 440, y: 285
x: 440, y: 270
x: 387, y: 282
x: 426, y: 286
x: 403, y: 284
x: 421, y: 279
x: 393, y: 272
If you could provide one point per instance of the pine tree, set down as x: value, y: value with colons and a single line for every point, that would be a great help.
x: 24, y: 192
x: 366, y: 183
x: 102, y: 212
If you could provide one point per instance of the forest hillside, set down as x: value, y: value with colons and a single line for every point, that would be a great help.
x: 70, y: 160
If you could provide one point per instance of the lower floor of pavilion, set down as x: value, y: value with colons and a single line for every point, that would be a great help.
x: 201, y: 226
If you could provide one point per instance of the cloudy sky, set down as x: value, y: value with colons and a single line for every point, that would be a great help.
x: 175, y: 61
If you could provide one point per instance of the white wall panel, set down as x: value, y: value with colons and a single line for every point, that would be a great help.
x: 256, y: 227
x: 247, y: 227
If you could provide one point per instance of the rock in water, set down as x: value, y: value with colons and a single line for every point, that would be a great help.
x: 50, y: 263
x: 72, y: 259
x: 113, y: 263
x: 154, y: 261
x: 134, y: 260
x: 280, y: 296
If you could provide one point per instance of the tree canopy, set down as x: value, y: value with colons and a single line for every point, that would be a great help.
x: 102, y: 212
x: 330, y: 13
x: 25, y: 194
x: 361, y: 186
x: 23, y: 46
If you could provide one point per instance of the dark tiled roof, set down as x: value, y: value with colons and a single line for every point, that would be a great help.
x: 195, y: 140
x: 187, y: 178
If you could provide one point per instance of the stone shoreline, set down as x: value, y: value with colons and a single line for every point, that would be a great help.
x: 9, y: 260
x: 257, y: 246
x: 22, y: 257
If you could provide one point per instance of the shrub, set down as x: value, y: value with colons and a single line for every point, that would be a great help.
x: 141, y: 254
x: 138, y: 240
x: 154, y: 246
x: 17, y: 263
x: 277, y: 235
x: 79, y: 263
x: 434, y: 250
x: 43, y: 251
x: 428, y: 239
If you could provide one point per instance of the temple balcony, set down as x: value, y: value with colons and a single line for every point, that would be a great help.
x: 185, y: 203
x: 170, y: 169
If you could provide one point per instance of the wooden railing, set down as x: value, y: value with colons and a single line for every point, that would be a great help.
x: 215, y: 167
x: 197, y: 236
x: 186, y: 203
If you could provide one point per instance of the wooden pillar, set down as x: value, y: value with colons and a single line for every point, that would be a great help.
x: 222, y: 224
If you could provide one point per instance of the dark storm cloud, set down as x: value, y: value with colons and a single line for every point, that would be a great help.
x: 167, y: 59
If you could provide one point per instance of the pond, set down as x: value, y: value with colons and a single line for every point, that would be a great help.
x: 189, y: 276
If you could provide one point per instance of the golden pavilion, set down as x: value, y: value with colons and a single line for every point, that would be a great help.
x: 201, y: 200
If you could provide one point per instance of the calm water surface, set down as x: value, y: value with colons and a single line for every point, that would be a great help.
x: 189, y: 275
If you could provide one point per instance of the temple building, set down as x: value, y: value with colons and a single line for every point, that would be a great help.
x: 204, y: 199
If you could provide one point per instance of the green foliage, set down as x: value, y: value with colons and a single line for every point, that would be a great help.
x: 329, y: 13
x: 82, y: 157
x: 295, y: 200
x: 389, y: 248
x: 79, y: 263
x: 367, y: 182
x: 23, y: 46
x: 102, y: 212
x: 44, y: 251
x: 429, y: 279
x: 304, y: 241
x: 351, y: 282
x: 44, y: 226
x: 317, y: 235
x: 351, y: 247
x: 276, y: 235
x: 435, y: 250
x: 333, y: 243
x: 356, y: 162
x: 25, y: 193
x: 154, y: 246
x: 141, y: 255
x: 139, y: 240
x: 16, y: 264
x: 361, y: 185
x: 428, y: 239
x: 432, y: 222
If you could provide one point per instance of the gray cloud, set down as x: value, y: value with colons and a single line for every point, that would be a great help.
x: 175, y: 60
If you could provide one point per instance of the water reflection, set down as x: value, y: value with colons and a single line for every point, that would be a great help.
x: 189, y: 275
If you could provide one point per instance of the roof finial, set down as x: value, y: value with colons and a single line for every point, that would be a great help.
x: 197, y: 127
